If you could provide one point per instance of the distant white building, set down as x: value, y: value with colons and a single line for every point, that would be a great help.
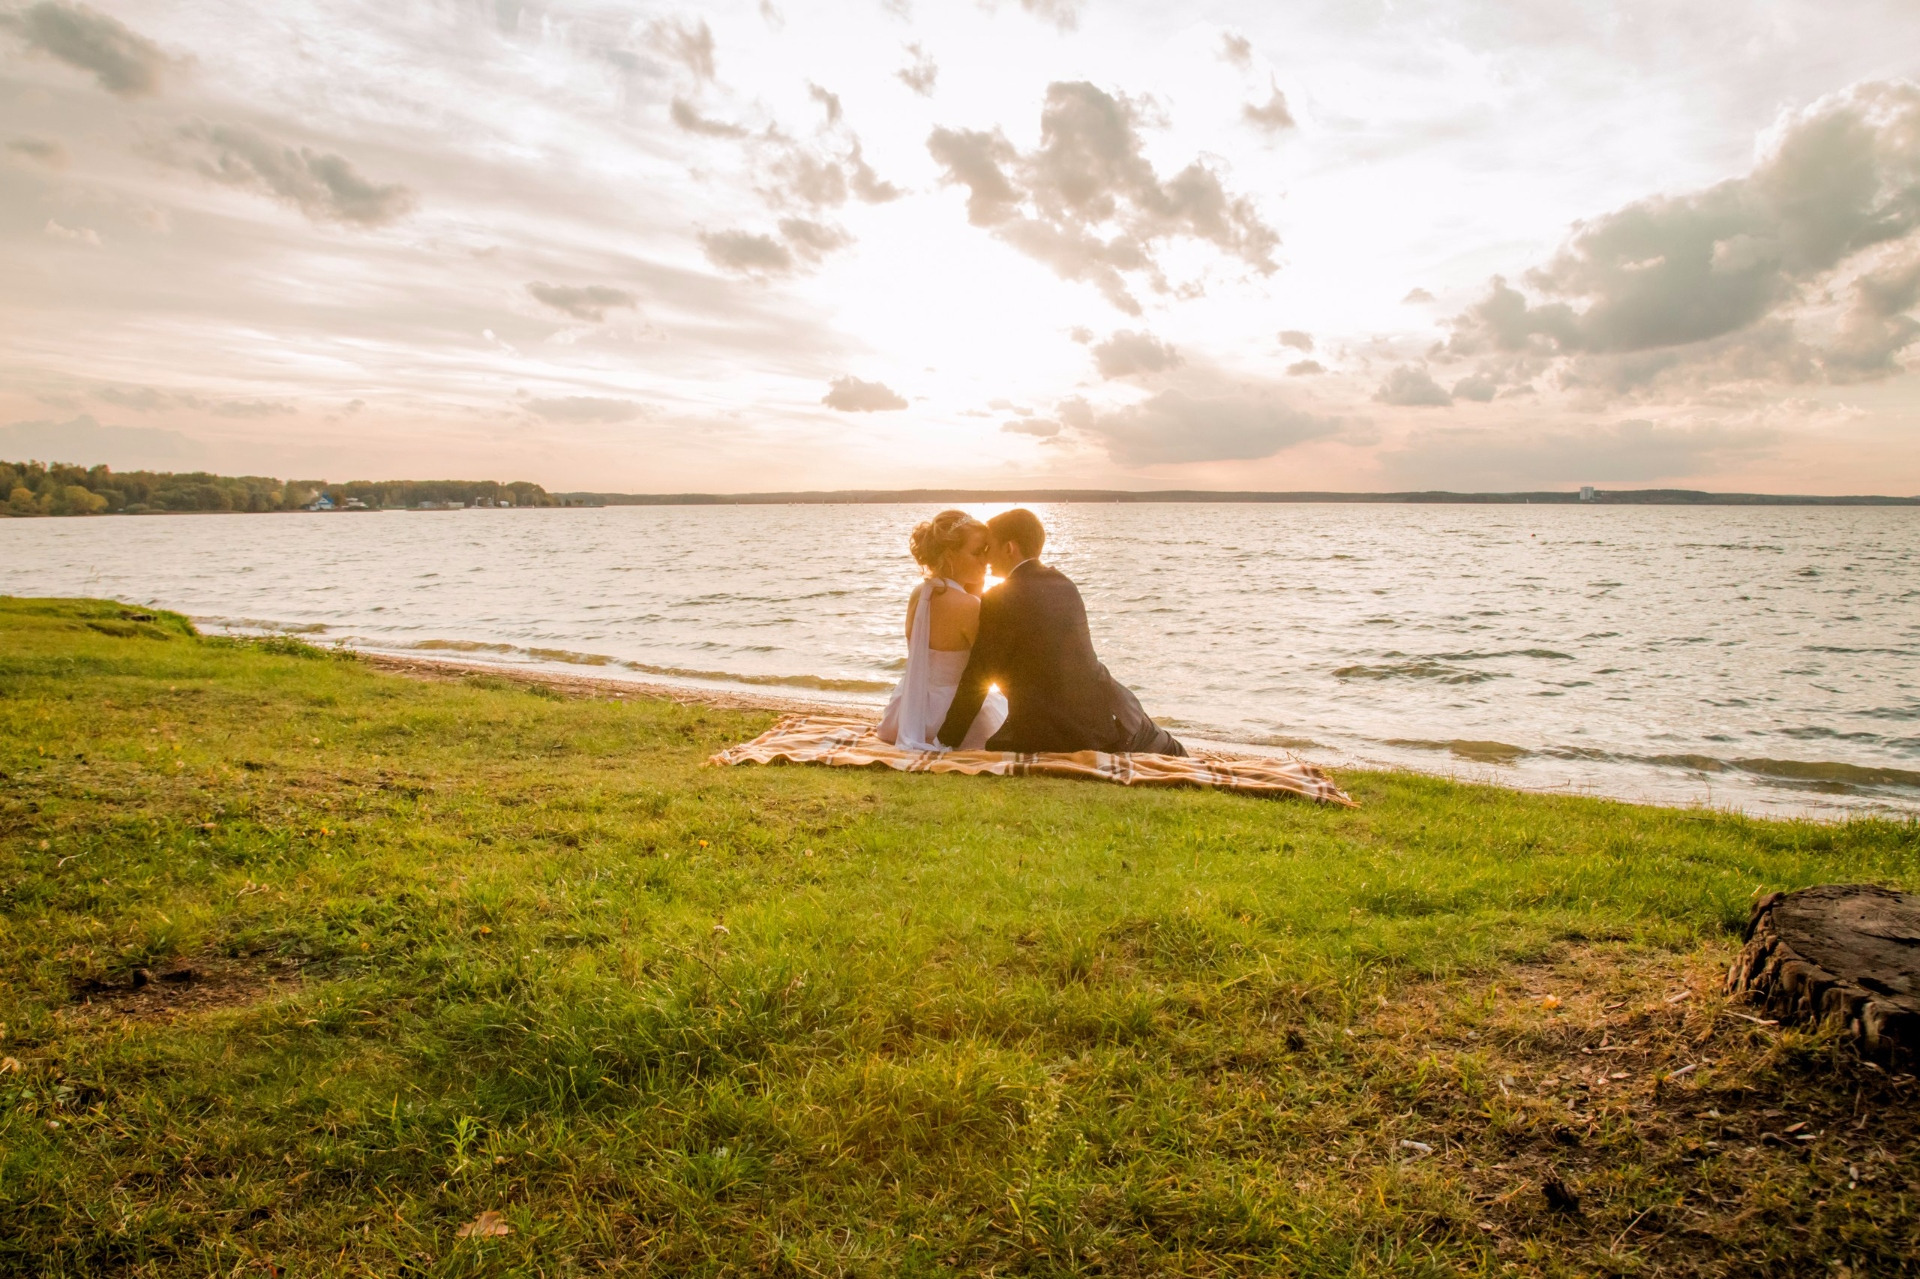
x: 1586, y: 492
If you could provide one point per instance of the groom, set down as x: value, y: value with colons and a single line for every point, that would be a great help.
x: 1033, y: 642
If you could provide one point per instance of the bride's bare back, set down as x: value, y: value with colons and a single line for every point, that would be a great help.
x: 953, y: 622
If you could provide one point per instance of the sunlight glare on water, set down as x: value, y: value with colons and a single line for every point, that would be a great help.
x: 1759, y: 658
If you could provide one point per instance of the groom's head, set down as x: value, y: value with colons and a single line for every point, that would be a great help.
x: 1013, y: 536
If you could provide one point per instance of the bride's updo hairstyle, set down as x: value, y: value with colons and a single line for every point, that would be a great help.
x: 934, y: 541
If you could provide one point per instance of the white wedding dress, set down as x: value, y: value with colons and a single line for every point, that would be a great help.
x: 921, y: 698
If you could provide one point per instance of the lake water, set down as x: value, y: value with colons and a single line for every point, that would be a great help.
x: 1761, y: 659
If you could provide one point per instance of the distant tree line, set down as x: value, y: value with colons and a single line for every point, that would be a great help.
x: 36, y: 488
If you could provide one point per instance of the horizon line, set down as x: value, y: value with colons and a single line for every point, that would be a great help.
x: 1579, y: 497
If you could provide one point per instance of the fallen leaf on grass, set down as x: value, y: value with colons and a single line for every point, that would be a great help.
x: 487, y: 1225
x: 1550, y: 1001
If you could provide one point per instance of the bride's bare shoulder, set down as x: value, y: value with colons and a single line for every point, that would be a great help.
x: 957, y: 604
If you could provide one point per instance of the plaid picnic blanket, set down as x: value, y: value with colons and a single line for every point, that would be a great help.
x: 844, y: 742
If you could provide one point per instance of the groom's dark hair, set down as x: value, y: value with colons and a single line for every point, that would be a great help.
x: 1021, y: 527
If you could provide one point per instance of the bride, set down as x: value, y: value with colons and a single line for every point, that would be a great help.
x: 943, y: 617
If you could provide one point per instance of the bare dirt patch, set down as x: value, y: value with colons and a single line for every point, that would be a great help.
x: 200, y: 985
x: 1611, y: 1101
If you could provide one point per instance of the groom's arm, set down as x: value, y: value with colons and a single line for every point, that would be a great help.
x: 982, y: 665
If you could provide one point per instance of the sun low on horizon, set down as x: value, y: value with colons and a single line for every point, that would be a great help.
x: 771, y: 245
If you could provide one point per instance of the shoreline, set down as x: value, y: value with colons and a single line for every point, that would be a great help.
x: 441, y: 669
x: 435, y: 668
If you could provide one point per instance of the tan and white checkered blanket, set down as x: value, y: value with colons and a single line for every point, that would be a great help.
x: 844, y: 742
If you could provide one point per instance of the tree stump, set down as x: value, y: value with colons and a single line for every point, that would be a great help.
x: 1848, y: 953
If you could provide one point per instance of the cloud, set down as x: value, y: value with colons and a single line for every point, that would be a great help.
x: 688, y: 44
x: 850, y: 395
x: 1298, y: 339
x: 40, y: 150
x: 143, y: 399
x: 82, y: 441
x: 866, y: 184
x: 1127, y: 353
x: 1271, y: 115
x: 586, y: 408
x: 1412, y: 387
x: 1236, y: 48
x: 810, y: 179
x: 252, y: 408
x: 582, y: 302
x: 746, y: 252
x: 1088, y: 203
x: 813, y: 240
x: 1415, y: 297
x: 1305, y: 368
x: 125, y: 62
x: 829, y: 102
x: 1477, y: 387
x: 1706, y: 283
x: 921, y: 75
x: 1624, y: 453
x: 148, y: 399
x: 973, y: 159
x: 1041, y: 427
x: 1064, y: 14
x: 803, y: 177
x: 73, y: 235
x: 1875, y: 329
x: 1175, y: 426
x: 324, y: 186
x: 687, y: 117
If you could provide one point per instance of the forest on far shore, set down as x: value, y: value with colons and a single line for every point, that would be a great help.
x: 37, y: 488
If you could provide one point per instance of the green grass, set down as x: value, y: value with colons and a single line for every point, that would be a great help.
x: 477, y: 945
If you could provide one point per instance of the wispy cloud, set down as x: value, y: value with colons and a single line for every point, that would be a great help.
x: 582, y: 301
x: 321, y: 184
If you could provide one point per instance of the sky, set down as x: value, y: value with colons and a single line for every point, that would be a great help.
x: 771, y: 245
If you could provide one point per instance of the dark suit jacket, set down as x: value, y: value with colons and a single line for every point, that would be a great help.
x: 1033, y: 642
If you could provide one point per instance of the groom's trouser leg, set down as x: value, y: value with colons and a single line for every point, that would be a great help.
x: 1155, y: 740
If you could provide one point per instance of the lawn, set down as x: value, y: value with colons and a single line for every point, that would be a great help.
x: 309, y: 968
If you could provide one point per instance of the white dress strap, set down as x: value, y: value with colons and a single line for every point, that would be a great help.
x: 915, y: 734
x: 910, y: 721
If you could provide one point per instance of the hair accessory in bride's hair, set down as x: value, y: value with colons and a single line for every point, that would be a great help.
x: 935, y: 540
